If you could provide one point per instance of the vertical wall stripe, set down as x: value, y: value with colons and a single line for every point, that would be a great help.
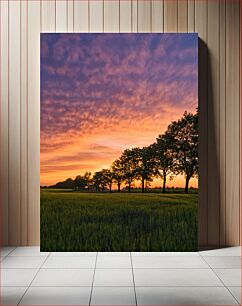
x: 14, y: 121
x: 191, y: 16
x: 96, y: 16
x: 213, y: 123
x: 111, y: 16
x: 34, y: 23
x: 171, y: 15
x: 201, y: 28
x: 144, y: 16
x: 232, y: 121
x: 125, y: 15
x: 81, y: 22
x: 23, y: 124
x: 4, y: 121
x: 61, y: 16
x: 157, y: 16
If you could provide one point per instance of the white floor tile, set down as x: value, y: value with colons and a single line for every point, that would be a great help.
x: 28, y: 251
x: 23, y: 262
x: 109, y: 254
x: 73, y: 254
x: 151, y: 254
x: 113, y: 296
x: 184, y: 296
x: 231, y: 251
x: 113, y: 277
x: 57, y: 296
x: 230, y: 277
x: 17, y: 277
x: 11, y: 295
x: 4, y: 251
x: 231, y: 262
x: 169, y: 262
x: 64, y: 277
x: 70, y: 262
x: 114, y: 262
x: 175, y: 277
x: 236, y: 291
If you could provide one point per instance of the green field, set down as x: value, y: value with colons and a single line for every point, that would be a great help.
x: 75, y: 221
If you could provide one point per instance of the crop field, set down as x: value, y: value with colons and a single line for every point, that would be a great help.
x: 75, y: 221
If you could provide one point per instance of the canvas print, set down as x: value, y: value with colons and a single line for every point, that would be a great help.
x: 119, y: 142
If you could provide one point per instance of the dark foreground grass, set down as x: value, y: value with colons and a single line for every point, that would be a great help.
x: 72, y: 221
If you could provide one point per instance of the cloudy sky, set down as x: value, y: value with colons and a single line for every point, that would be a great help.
x: 103, y: 93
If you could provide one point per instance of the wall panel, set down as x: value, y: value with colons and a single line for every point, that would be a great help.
x: 4, y: 121
x: 217, y: 23
x: 14, y: 121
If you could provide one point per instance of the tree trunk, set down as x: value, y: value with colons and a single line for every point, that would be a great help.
x: 164, y: 184
x: 143, y: 185
x: 118, y: 186
x: 187, y: 183
x: 110, y: 187
x: 129, y: 187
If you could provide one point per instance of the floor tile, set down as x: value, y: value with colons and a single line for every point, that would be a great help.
x: 28, y: 251
x: 151, y: 254
x: 11, y: 295
x: 113, y: 277
x: 119, y: 254
x: 64, y: 277
x: 230, y: 277
x: 70, y: 262
x: 231, y: 251
x: 113, y: 262
x: 17, y: 277
x: 184, y: 296
x: 57, y: 296
x: 73, y: 254
x: 175, y: 277
x: 232, y: 262
x: 236, y: 292
x: 169, y: 262
x: 4, y: 251
x: 113, y: 296
x: 23, y: 262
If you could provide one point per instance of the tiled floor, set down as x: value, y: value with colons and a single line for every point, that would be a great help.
x: 29, y: 277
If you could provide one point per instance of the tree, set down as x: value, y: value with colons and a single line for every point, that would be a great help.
x: 163, y: 157
x: 118, y: 174
x: 145, y: 166
x: 128, y: 162
x: 184, y: 133
x: 107, y: 178
x: 97, y: 180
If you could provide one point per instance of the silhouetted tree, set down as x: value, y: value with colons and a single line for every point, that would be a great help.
x: 118, y: 173
x: 184, y: 133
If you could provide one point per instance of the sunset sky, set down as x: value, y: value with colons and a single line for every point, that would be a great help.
x: 103, y: 93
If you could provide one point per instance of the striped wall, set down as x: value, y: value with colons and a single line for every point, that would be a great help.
x: 217, y: 23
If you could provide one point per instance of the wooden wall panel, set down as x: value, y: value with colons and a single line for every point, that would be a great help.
x: 222, y: 120
x: 191, y: 16
x: 232, y: 122
x: 213, y: 123
x: 81, y: 15
x: 23, y: 124
x: 33, y: 213
x: 96, y: 16
x: 170, y: 15
x: 217, y: 23
x: 4, y: 122
x: 125, y: 16
x: 14, y: 121
x: 182, y: 16
x: 48, y: 16
x: 111, y: 16
x: 201, y: 28
x: 157, y: 14
x: 70, y: 16
x: 144, y: 16
x: 61, y: 16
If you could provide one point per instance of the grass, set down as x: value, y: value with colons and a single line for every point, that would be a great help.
x: 74, y: 221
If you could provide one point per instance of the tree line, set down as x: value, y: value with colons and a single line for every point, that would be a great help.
x: 174, y: 152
